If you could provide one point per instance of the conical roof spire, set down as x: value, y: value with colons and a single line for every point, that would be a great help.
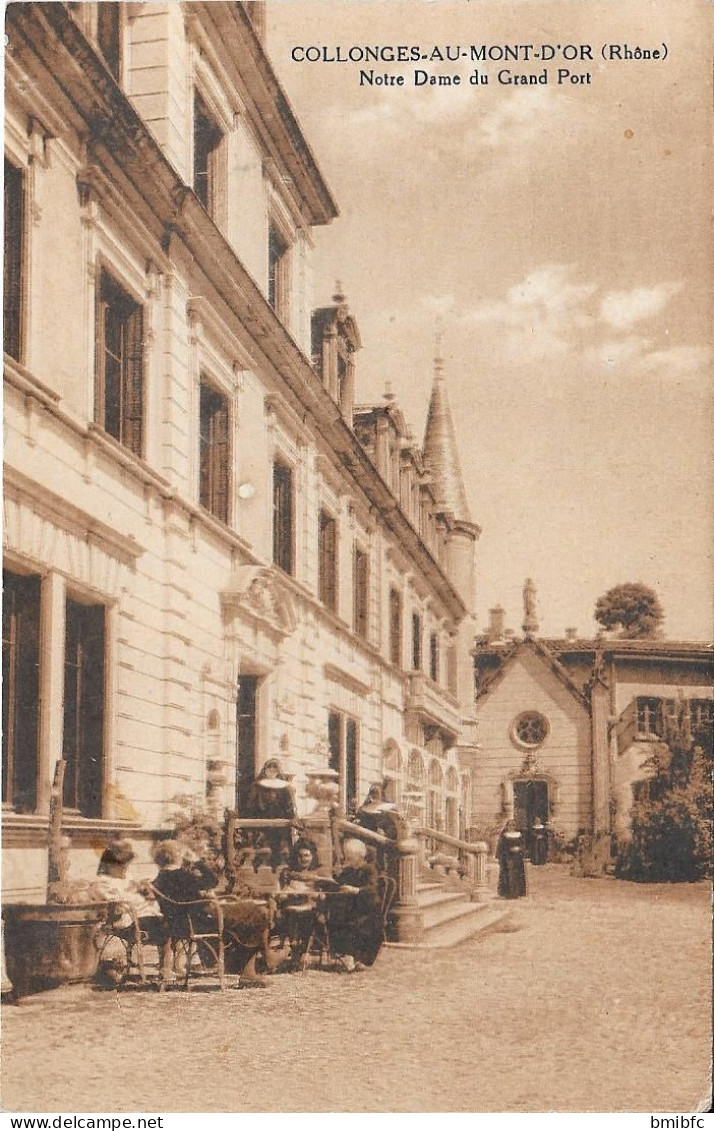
x: 441, y: 454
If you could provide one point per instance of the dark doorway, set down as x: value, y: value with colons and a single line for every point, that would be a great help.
x: 246, y: 737
x: 530, y: 803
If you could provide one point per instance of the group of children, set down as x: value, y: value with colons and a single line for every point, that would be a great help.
x: 347, y: 908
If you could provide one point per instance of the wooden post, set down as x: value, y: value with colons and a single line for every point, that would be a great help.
x: 57, y: 844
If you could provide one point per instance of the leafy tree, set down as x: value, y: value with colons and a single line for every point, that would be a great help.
x: 634, y: 608
x: 672, y: 819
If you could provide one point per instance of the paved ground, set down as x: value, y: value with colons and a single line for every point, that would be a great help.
x: 597, y: 999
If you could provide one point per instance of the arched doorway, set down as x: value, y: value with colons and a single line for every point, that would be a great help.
x: 451, y: 802
x: 465, y: 806
x: 414, y: 793
x: 435, y: 798
x: 530, y: 803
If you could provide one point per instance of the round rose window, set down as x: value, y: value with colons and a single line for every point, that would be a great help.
x: 530, y: 728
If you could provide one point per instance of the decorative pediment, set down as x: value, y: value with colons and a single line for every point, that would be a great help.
x: 254, y: 594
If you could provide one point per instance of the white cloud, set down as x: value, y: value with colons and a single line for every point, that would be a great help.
x: 538, y: 314
x: 676, y: 362
x: 439, y: 305
x: 622, y: 309
x: 517, y: 118
x: 618, y: 352
x: 550, y: 314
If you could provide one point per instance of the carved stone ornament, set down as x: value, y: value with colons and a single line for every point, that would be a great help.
x: 530, y: 763
x: 254, y: 594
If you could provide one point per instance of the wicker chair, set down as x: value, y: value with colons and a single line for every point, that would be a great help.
x: 132, y: 936
x: 195, y: 931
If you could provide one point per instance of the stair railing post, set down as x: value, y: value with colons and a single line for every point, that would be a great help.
x: 478, y: 872
x: 406, y: 919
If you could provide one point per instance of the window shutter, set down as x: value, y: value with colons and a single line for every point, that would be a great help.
x: 221, y: 459
x: 351, y: 762
x: 133, y: 383
x: 283, y: 517
x: 14, y: 204
x: 100, y: 312
x: 91, y: 768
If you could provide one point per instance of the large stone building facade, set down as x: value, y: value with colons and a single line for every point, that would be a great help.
x: 213, y: 553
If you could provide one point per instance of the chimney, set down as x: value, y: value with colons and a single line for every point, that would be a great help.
x: 496, y: 623
x: 571, y: 634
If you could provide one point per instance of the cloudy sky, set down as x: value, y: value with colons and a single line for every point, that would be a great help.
x: 560, y: 236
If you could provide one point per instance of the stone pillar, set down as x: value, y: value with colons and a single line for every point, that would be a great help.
x: 599, y: 702
x: 478, y: 874
x: 600, y: 711
x: 319, y: 829
x: 53, y: 613
x: 407, y: 924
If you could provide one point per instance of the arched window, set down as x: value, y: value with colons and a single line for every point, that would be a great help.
x: 465, y: 815
x: 414, y: 793
x: 451, y: 802
x: 435, y: 798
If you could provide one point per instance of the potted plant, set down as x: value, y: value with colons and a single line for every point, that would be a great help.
x: 48, y: 944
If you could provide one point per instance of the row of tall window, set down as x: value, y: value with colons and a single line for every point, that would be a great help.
x: 83, y: 698
x: 328, y: 578
x: 208, y: 176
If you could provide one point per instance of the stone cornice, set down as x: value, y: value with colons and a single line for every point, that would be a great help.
x: 70, y: 517
x: 347, y: 679
x: 262, y: 93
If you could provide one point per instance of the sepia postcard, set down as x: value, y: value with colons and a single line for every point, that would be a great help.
x: 357, y: 560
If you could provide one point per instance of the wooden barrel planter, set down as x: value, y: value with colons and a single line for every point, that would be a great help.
x: 48, y: 945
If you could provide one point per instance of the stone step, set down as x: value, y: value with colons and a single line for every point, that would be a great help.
x: 472, y: 919
x: 437, y: 913
x: 483, y: 917
x: 436, y: 895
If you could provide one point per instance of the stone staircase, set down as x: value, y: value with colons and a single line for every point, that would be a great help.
x: 450, y: 917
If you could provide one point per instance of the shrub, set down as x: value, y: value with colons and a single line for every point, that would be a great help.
x: 672, y: 820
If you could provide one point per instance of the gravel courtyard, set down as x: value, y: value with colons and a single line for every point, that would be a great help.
x: 596, y: 997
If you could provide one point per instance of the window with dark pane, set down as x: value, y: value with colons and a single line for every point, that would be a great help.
x: 13, y: 259
x: 119, y: 365
x: 334, y: 740
x: 416, y: 642
x: 361, y: 592
x: 277, y: 271
x: 283, y: 517
x: 343, y: 746
x: 215, y: 454
x: 109, y: 35
x: 434, y: 657
x: 327, y: 560
x: 451, y: 669
x: 350, y: 771
x: 207, y: 137
x: 21, y: 690
x: 395, y: 627
x: 84, y: 696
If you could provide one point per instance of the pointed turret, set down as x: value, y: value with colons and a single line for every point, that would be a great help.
x: 440, y: 452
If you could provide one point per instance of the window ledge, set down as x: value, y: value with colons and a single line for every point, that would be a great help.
x: 31, y: 829
x: 127, y: 458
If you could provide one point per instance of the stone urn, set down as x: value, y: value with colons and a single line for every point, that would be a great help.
x: 413, y: 803
x: 51, y: 944
x: 323, y: 786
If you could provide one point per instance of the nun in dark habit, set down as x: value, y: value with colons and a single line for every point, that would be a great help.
x: 272, y: 798
x: 511, y: 860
